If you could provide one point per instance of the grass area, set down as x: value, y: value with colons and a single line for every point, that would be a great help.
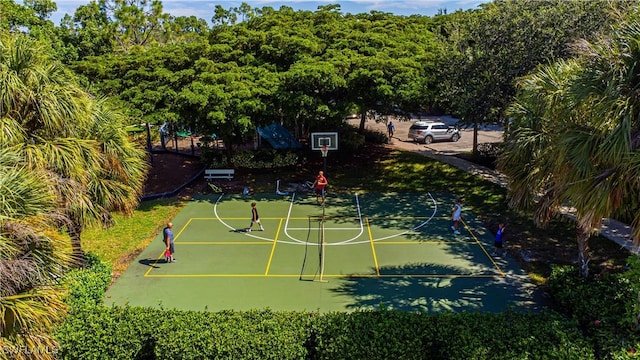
x: 380, y: 169
x: 122, y: 242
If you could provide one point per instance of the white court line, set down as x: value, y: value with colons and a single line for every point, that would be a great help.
x: 361, y: 225
x: 435, y: 210
x: 215, y: 211
x: 361, y: 228
x: 296, y: 241
x: 327, y: 229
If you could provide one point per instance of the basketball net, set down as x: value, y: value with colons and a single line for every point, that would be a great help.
x: 325, y: 150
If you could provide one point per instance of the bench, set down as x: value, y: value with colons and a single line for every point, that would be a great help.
x: 210, y: 174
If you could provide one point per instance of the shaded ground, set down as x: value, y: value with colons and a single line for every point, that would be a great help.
x: 168, y: 171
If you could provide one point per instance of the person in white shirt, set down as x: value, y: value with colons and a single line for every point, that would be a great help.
x: 455, y: 216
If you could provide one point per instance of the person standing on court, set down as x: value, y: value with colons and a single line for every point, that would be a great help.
x: 255, y: 218
x: 455, y: 216
x: 390, y: 128
x: 167, y: 234
x: 320, y: 184
x: 498, y: 242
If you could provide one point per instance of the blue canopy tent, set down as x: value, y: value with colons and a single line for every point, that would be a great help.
x: 278, y: 137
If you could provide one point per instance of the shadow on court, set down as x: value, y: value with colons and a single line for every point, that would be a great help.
x: 440, y: 294
x: 153, y: 263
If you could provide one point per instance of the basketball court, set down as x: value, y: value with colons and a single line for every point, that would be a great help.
x: 359, y: 251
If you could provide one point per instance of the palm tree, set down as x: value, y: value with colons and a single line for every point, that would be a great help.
x: 33, y: 256
x: 54, y: 125
x: 577, y: 136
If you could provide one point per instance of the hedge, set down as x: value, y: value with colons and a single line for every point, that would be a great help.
x: 94, y: 331
x: 99, y: 332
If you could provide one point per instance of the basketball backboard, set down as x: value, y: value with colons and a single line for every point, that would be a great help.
x: 328, y: 139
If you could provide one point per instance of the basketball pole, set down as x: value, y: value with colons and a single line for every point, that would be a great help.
x: 325, y: 151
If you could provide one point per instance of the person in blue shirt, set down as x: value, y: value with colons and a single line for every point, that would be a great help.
x: 499, y: 240
x: 167, y: 236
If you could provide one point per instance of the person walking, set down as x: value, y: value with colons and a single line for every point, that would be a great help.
x: 167, y: 235
x: 390, y: 129
x: 455, y: 216
x: 320, y: 185
x: 255, y: 218
x: 499, y: 242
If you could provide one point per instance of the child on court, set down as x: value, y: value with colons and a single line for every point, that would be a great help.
x: 498, y: 243
x: 255, y: 218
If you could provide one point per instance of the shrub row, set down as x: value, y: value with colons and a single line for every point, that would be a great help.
x: 93, y: 331
x: 249, y: 159
x: 97, y: 332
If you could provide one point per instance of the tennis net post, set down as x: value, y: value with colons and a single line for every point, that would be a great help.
x: 322, y: 246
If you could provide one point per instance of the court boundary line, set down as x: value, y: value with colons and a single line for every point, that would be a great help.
x: 273, y: 249
x: 483, y: 248
x: 373, y: 249
x: 478, y: 276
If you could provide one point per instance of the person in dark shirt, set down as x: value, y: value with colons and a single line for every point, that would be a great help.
x: 255, y: 218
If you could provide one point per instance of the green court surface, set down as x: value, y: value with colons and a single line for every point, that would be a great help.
x: 360, y: 251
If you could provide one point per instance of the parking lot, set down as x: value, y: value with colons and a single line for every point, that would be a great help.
x: 487, y: 134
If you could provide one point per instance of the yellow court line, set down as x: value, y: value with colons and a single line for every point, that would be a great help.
x: 162, y: 253
x: 373, y: 248
x: 422, y: 242
x: 225, y: 243
x: 408, y: 217
x: 470, y: 276
x: 273, y: 249
x: 483, y: 249
x: 181, y: 230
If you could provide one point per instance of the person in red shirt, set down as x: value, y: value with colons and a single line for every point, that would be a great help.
x: 320, y: 184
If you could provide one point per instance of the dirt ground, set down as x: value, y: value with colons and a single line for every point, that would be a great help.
x: 168, y: 171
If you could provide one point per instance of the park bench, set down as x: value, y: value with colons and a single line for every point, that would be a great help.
x: 210, y: 174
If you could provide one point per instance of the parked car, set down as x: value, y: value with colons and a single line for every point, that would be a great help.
x: 426, y: 132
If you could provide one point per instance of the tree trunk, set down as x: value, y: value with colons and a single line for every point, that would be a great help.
x: 149, y: 146
x: 475, y: 138
x: 75, y: 232
x: 584, y: 254
x: 228, y: 150
x: 363, y: 118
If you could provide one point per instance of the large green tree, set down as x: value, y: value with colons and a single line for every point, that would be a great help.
x: 491, y: 47
x: 576, y: 137
x: 33, y: 256
x: 60, y: 128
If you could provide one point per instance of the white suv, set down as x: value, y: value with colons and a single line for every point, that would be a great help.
x: 426, y: 132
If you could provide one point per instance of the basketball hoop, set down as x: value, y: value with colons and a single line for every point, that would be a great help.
x: 325, y: 150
